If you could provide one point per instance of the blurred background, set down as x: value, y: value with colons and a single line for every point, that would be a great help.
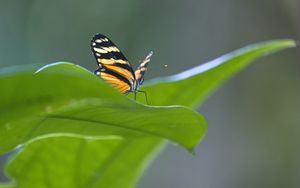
x: 254, y: 122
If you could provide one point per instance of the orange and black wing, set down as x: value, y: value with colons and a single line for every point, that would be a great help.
x: 114, y: 68
x: 140, y: 71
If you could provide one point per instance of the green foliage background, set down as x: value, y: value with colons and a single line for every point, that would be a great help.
x: 112, y: 137
x: 254, y: 120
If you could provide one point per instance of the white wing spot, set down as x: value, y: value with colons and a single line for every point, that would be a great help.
x: 114, y: 49
x: 109, y: 49
x: 98, y: 40
x: 99, y: 50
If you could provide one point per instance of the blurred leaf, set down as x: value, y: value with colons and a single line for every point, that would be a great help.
x: 119, y: 163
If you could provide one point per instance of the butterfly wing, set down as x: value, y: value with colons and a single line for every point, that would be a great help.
x: 114, y: 68
x: 140, y: 71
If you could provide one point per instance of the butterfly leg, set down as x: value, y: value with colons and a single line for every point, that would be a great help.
x: 145, y: 93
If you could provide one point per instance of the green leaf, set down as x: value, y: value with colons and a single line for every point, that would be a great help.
x: 195, y: 84
x: 120, y: 162
x: 65, y: 99
x: 6, y: 185
x: 93, y: 163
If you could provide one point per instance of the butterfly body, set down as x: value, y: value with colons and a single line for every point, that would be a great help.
x: 114, y: 68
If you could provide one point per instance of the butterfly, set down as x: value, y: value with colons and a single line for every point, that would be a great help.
x: 115, y: 69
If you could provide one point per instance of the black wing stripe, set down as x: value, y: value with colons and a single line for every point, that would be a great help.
x: 124, y: 66
x: 114, y: 55
x: 102, y: 44
x: 120, y: 77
